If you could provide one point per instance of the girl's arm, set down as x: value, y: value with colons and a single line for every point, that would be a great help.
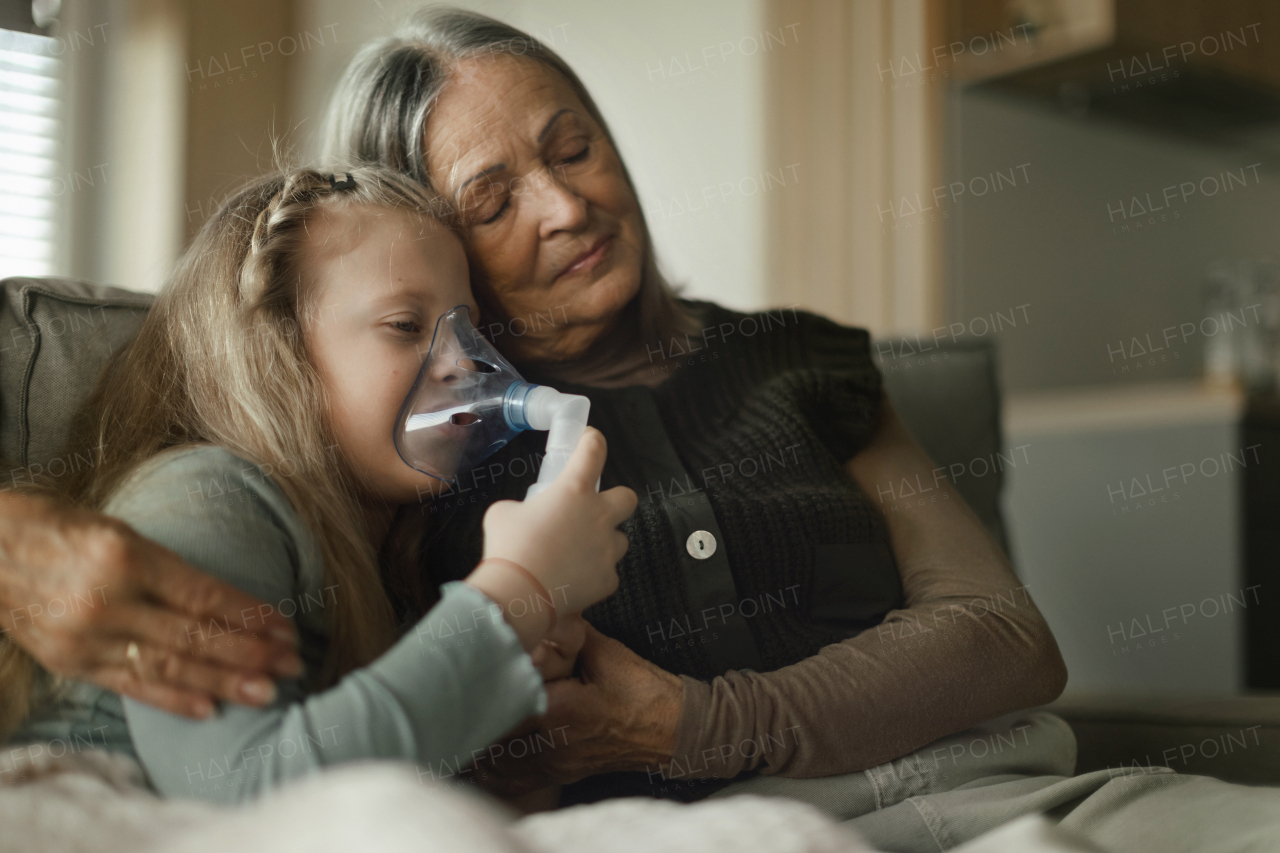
x: 452, y: 684
x: 968, y: 646
x: 450, y: 687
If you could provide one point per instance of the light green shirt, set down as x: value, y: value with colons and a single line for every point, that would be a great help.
x: 453, y: 684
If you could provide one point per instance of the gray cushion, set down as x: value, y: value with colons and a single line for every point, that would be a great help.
x: 1233, y: 738
x: 949, y: 397
x: 55, y: 337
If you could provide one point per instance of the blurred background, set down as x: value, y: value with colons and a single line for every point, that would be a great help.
x: 1082, y: 190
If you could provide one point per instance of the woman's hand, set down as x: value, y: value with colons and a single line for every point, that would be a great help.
x: 76, y: 587
x: 622, y: 715
x: 567, y: 537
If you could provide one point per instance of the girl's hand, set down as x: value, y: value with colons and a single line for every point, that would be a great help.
x: 557, y: 654
x: 567, y: 537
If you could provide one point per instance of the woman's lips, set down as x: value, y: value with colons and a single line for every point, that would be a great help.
x: 589, y: 259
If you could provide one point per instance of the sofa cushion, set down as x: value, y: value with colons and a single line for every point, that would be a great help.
x: 949, y: 397
x: 55, y: 337
x: 1233, y: 738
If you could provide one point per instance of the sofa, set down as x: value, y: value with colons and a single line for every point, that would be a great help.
x: 55, y: 335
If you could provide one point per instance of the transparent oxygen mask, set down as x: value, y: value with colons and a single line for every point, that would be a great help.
x: 468, y: 402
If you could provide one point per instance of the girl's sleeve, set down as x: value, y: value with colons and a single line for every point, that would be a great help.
x: 454, y: 684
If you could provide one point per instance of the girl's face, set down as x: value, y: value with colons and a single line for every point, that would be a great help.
x: 554, y: 231
x: 375, y: 282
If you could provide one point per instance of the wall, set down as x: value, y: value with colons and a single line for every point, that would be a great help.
x: 125, y: 140
x: 862, y: 123
x: 171, y: 105
x: 1125, y: 523
x: 1051, y: 243
x: 239, y: 57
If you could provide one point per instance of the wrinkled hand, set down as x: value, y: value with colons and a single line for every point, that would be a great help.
x: 77, y: 586
x: 621, y: 715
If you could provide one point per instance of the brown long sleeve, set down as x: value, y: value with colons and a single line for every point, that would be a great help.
x: 968, y: 646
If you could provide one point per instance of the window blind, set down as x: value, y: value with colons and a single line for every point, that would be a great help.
x: 31, y: 187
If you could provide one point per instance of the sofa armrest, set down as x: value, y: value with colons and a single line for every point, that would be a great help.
x: 1233, y: 738
x: 55, y: 337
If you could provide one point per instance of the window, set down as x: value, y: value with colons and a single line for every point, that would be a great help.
x: 31, y: 93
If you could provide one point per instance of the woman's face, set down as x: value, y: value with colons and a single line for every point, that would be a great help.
x: 376, y: 281
x: 553, y: 230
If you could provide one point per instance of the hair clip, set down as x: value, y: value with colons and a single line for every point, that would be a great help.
x: 348, y: 184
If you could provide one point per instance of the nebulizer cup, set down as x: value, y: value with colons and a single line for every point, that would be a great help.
x: 468, y: 402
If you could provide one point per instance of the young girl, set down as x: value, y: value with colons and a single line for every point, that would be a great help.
x: 248, y: 427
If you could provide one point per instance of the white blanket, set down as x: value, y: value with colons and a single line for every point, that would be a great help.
x: 97, y: 802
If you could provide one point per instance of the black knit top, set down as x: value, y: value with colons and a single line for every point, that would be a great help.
x: 751, y: 547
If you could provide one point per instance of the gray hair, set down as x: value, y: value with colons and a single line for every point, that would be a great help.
x: 378, y: 116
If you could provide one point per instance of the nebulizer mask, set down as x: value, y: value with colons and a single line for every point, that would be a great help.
x: 468, y: 401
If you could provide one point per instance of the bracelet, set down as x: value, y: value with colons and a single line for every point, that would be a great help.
x: 539, y: 585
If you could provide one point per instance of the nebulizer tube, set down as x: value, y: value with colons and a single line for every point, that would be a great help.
x: 468, y: 402
x: 563, y: 416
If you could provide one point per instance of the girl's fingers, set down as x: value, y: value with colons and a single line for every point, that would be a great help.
x: 620, y: 545
x: 621, y: 502
x: 587, y: 462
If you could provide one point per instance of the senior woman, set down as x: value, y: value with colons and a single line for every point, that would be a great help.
x: 758, y: 561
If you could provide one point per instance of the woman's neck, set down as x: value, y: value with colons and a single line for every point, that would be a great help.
x: 583, y: 371
x: 623, y: 346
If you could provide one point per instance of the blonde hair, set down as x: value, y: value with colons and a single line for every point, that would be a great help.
x: 220, y: 360
x: 17, y: 680
x: 378, y: 114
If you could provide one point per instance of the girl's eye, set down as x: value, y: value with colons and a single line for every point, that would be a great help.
x: 409, y: 327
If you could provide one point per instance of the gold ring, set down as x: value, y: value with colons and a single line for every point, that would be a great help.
x: 134, y: 654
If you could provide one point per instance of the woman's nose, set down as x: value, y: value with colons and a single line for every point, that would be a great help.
x: 560, y: 208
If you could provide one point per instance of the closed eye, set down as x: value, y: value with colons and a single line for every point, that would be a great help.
x: 498, y: 213
x: 408, y: 327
